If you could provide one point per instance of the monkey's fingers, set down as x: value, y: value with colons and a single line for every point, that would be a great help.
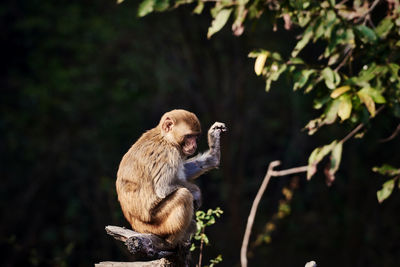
x: 222, y: 128
x: 219, y: 126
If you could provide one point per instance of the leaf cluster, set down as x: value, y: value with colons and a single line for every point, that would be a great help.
x: 204, y: 219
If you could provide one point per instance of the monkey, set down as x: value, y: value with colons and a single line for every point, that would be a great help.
x: 154, y: 182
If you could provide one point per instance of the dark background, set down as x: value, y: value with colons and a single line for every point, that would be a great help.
x: 81, y: 80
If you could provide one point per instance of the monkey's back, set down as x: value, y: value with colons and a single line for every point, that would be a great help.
x: 140, y: 167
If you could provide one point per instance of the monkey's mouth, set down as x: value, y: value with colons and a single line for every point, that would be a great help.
x: 189, y: 151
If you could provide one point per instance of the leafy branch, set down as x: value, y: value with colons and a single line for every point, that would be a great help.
x: 203, y: 220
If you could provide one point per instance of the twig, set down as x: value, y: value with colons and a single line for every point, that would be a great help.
x: 392, y: 136
x: 256, y: 202
x: 359, y: 127
x: 368, y: 11
x: 201, y: 248
x: 348, y: 54
x: 352, y: 133
x: 290, y: 171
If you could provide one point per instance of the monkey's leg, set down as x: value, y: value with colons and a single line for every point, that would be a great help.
x: 173, y: 216
x: 196, y: 193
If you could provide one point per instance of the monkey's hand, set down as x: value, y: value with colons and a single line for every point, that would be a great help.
x: 196, y: 166
x: 214, y: 135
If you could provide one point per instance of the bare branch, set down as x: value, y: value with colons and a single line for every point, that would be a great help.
x: 256, y: 202
x: 263, y: 187
x: 392, y: 136
x: 290, y: 171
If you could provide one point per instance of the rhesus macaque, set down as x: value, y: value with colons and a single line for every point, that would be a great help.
x: 155, y: 179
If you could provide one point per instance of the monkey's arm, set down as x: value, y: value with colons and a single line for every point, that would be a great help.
x: 209, y: 160
x: 164, y: 181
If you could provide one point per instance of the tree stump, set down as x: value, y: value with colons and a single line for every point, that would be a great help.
x: 149, y: 249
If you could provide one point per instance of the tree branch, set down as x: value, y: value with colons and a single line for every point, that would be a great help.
x: 373, y: 5
x: 359, y: 127
x: 345, y: 59
x: 392, y: 136
x: 141, y: 246
x: 256, y: 202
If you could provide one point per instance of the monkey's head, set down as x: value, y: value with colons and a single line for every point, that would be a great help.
x: 181, y: 128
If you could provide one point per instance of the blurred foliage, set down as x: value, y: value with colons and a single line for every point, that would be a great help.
x: 81, y: 80
x: 283, y: 211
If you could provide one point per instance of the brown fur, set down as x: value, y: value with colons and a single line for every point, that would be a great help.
x: 152, y: 196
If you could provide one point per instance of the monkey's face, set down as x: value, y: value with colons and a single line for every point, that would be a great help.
x: 189, y: 145
x: 181, y: 128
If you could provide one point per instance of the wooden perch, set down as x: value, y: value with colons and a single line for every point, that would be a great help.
x: 147, y: 247
x: 142, y: 246
x: 157, y: 263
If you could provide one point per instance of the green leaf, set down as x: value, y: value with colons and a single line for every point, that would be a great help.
x: 368, y: 102
x: 319, y: 29
x: 394, y: 70
x: 333, y: 59
x: 386, y: 191
x: 320, y: 102
x: 316, y: 156
x: 274, y: 74
x: 331, y: 78
x: 260, y: 63
x: 386, y: 169
x: 199, y: 8
x: 374, y: 94
x: 146, y: 7
x: 336, y: 156
x: 331, y: 21
x: 366, y: 34
x: 335, y: 159
x: 219, y: 22
x: 204, y: 237
x: 368, y: 73
x: 304, y: 18
x: 339, y: 91
x: 296, y: 61
x: 161, y: 5
x: 301, y: 78
x: 276, y: 56
x: 345, y: 106
x: 308, y: 34
x: 331, y: 112
x: 384, y: 27
x: 313, y: 125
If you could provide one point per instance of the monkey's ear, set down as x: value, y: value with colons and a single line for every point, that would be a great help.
x: 167, y: 125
